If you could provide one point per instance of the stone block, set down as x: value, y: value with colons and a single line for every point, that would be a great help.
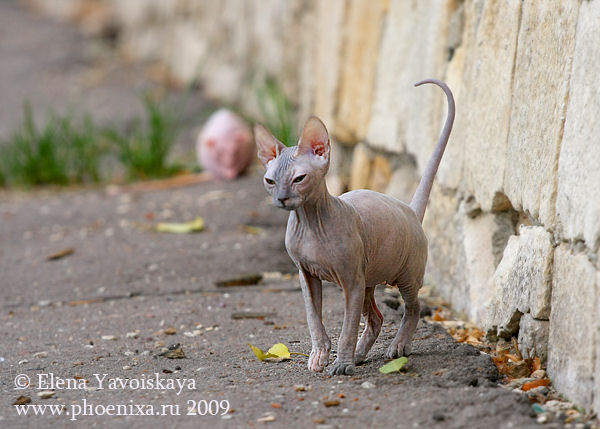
x: 573, y: 325
x: 381, y: 173
x: 539, y: 102
x: 578, y: 198
x: 403, y: 183
x: 412, y: 48
x: 363, y: 34
x: 522, y: 281
x: 533, y: 337
x: 360, y: 171
x: 328, y: 36
x: 486, y: 100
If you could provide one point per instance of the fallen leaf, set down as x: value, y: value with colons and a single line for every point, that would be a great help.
x: 270, y: 418
x: 254, y: 230
x: 181, y: 228
x: 437, y: 316
x: 170, y: 331
x: 332, y: 403
x: 280, y: 350
x: 61, y: 254
x: 245, y: 280
x: 275, y: 405
x: 259, y: 353
x: 394, y: 366
x: 22, y: 400
x: 535, y: 383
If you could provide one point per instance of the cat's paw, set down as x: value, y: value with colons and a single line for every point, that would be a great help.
x: 318, y: 359
x: 359, y: 357
x: 401, y: 348
x: 341, y: 368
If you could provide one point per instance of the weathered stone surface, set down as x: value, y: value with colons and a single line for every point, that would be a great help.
x: 403, y: 183
x: 340, y: 162
x: 573, y: 325
x: 381, y: 173
x: 578, y: 200
x: 487, y: 103
x: 533, y: 337
x: 329, y: 20
x: 361, y: 167
x: 522, y: 281
x: 540, y: 94
x: 478, y: 242
x: 401, y: 113
x: 363, y: 34
x: 441, y: 224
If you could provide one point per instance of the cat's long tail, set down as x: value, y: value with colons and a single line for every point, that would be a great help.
x: 419, y: 201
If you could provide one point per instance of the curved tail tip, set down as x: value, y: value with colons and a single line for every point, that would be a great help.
x: 430, y: 80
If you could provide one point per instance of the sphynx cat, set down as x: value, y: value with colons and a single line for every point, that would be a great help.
x: 358, y: 240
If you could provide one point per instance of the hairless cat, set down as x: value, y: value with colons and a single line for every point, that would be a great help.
x: 358, y: 240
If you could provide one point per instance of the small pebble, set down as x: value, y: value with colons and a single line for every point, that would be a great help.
x: 367, y: 385
x: 109, y: 337
x: 40, y: 355
x: 540, y: 373
x: 133, y: 334
x: 126, y: 367
x: 46, y: 394
x: 543, y: 418
x: 24, y: 361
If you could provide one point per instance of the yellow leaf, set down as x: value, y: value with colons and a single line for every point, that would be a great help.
x: 182, y: 228
x: 259, y: 353
x: 280, y: 350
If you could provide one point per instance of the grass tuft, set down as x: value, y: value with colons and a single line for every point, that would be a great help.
x: 144, y: 149
x: 60, y: 152
x: 277, y: 111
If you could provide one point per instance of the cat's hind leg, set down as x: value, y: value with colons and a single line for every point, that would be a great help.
x: 374, y: 320
x: 402, y: 343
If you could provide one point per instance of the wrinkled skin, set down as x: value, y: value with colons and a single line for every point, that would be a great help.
x: 225, y: 146
x: 359, y: 240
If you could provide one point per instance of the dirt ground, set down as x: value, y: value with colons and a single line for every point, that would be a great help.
x: 105, y: 321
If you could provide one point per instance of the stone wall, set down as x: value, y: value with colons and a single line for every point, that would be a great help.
x: 514, y: 217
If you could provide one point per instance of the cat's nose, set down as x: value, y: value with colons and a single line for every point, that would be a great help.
x: 282, y: 200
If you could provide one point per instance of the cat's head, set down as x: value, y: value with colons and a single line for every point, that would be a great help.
x: 294, y: 174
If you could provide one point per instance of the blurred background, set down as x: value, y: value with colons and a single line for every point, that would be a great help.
x: 513, y: 218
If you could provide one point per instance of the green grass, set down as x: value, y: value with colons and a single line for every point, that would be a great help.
x: 144, y: 149
x: 277, y: 111
x: 62, y: 151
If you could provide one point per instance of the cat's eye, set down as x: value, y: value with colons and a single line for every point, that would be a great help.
x: 299, y: 178
x: 269, y: 181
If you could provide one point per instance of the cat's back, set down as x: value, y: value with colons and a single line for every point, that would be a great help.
x: 369, y: 203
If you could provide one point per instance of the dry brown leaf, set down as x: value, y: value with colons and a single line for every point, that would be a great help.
x: 535, y: 383
x: 61, y: 254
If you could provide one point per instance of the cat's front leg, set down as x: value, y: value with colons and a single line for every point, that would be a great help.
x: 312, y: 291
x: 354, y: 293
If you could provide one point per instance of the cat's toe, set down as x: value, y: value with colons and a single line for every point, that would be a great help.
x: 398, y: 350
x: 318, y: 360
x: 340, y: 368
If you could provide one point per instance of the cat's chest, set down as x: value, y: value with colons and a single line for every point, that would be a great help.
x: 316, y: 252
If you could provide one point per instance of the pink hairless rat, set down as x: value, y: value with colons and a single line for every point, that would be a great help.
x: 225, y: 146
x: 358, y: 240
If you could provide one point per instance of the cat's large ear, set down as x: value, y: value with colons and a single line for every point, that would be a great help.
x: 315, y: 139
x: 268, y: 146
